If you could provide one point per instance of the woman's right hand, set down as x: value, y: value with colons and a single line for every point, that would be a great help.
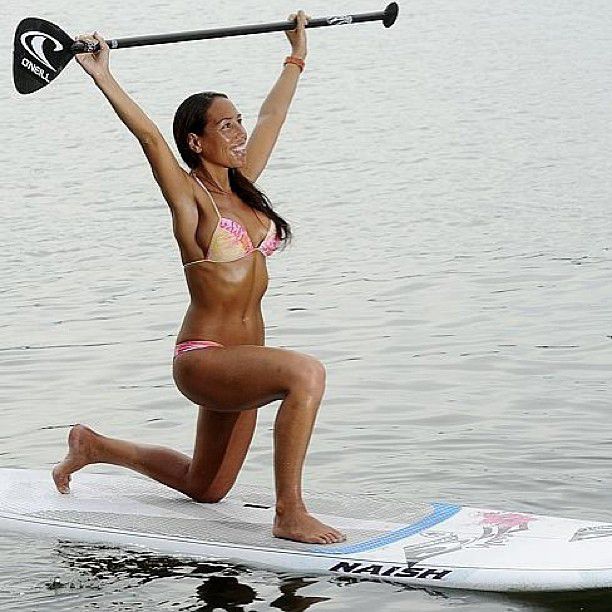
x: 94, y: 64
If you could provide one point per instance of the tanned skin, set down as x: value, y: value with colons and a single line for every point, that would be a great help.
x: 228, y: 384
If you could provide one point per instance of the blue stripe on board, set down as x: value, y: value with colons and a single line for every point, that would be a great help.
x: 441, y: 512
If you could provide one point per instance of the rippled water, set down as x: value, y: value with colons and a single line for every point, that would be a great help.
x: 449, y: 184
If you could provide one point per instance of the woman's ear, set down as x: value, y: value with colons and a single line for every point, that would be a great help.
x: 193, y: 140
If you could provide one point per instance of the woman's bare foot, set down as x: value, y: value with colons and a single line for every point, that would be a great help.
x: 300, y: 526
x: 80, y: 453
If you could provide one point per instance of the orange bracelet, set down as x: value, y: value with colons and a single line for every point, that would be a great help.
x: 298, y: 61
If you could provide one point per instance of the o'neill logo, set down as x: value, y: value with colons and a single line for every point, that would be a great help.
x: 33, y: 42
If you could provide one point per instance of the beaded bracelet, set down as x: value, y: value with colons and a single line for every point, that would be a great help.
x: 298, y: 61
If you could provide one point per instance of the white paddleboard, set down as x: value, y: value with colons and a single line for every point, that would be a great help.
x: 433, y: 545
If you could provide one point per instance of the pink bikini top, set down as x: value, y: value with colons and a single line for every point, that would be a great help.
x: 230, y: 241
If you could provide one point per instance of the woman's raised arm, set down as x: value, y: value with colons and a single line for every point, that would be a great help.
x: 274, y: 109
x: 172, y: 179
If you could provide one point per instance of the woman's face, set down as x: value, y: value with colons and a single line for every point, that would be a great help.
x: 224, y: 139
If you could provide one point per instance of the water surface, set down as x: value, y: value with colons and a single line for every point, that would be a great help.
x: 448, y: 181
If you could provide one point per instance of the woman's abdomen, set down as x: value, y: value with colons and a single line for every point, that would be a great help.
x: 226, y: 302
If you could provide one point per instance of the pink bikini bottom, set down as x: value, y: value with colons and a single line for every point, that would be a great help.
x: 194, y: 345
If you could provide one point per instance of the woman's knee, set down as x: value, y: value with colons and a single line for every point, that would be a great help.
x: 309, y: 377
x: 208, y: 495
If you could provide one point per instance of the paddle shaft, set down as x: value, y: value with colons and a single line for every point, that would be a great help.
x: 387, y: 16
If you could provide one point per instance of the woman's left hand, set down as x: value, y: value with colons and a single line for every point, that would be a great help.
x: 297, y: 37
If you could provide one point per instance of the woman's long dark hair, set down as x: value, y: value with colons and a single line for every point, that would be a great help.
x: 191, y: 117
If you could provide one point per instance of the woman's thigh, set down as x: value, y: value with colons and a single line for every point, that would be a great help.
x: 237, y: 378
x: 229, y: 384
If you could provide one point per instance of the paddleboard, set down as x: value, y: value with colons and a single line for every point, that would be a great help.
x: 430, y: 544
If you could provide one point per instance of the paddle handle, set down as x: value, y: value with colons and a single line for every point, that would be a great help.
x: 388, y: 17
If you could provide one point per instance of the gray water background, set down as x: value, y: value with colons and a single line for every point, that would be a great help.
x: 449, y: 185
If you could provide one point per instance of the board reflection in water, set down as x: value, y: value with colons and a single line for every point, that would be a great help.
x: 224, y: 586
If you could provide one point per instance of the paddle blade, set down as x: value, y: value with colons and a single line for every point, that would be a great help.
x: 40, y: 53
x: 391, y: 13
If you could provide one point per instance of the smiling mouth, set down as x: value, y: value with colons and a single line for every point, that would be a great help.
x: 239, y: 150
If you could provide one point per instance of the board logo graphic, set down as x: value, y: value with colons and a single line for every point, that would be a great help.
x: 436, y: 543
x: 33, y: 42
x: 591, y: 533
x: 498, y: 528
x: 357, y: 568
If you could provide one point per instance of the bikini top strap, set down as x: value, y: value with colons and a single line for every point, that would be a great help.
x: 201, y: 184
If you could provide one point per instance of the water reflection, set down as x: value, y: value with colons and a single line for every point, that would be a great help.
x: 289, y: 601
x: 110, y: 578
x: 586, y: 601
x: 226, y: 586
x: 225, y: 592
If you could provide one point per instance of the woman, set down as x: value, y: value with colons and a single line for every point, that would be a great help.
x: 225, y: 229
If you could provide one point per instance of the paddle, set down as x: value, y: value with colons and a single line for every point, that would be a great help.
x: 42, y: 49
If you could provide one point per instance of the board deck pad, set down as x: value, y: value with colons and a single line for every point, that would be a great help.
x: 245, y: 517
x: 428, y: 544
